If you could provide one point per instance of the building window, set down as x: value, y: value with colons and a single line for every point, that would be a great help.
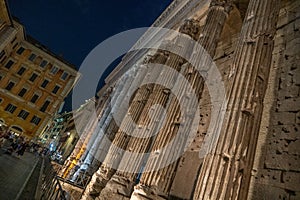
x: 45, y: 83
x: 2, y: 54
x: 64, y: 76
x: 33, y: 77
x: 20, y: 50
x: 15, y: 45
x: 32, y: 57
x: 21, y: 71
x: 2, y: 75
x: 10, y: 108
x: 13, y: 40
x: 55, y: 89
x: 45, y: 105
x: 9, y: 64
x: 3, y: 59
x: 73, y: 141
x: 35, y: 120
x: 54, y: 70
x: 34, y: 98
x: 43, y: 63
x: 22, y: 92
x: 23, y: 114
x: 10, y: 85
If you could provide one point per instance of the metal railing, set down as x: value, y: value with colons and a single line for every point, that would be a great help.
x: 80, y: 183
x: 49, y: 187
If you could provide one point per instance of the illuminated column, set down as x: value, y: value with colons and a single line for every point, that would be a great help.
x: 105, y: 149
x: 86, y: 132
x: 157, y: 95
x: 106, y: 120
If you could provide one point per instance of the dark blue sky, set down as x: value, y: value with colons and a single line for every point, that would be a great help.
x: 72, y: 28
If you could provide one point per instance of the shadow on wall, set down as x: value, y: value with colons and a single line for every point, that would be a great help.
x: 276, y: 171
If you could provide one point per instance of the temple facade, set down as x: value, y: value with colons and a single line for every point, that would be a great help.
x: 221, y: 121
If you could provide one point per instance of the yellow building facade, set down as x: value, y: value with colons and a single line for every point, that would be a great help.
x: 33, y: 80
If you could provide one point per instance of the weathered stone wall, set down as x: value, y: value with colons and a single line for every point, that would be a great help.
x: 73, y: 191
x: 276, y: 171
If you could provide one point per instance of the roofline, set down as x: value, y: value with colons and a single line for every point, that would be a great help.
x: 42, y: 47
x: 36, y: 43
x: 8, y: 12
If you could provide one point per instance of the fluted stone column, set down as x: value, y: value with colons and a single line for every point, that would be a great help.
x: 138, y: 102
x: 121, y: 184
x: 111, y: 97
x: 109, y: 126
x: 74, y: 158
x: 101, y: 177
x: 101, y: 124
x: 157, y: 184
x: 106, y: 121
x: 226, y: 171
x: 106, y: 125
x: 85, y: 137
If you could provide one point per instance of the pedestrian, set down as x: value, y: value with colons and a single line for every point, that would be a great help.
x: 31, y: 149
x: 2, y: 140
x: 15, y: 144
x: 40, y: 150
x: 21, y: 149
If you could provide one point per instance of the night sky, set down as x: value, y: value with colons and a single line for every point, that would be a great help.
x: 72, y: 28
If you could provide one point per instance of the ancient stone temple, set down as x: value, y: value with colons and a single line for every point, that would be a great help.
x: 212, y: 112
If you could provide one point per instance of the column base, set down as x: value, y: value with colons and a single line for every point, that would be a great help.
x: 117, y: 188
x: 142, y: 192
x: 93, y: 191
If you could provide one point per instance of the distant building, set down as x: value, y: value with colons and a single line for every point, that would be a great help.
x: 60, y: 135
x: 33, y: 80
x: 64, y: 130
x: 52, y: 134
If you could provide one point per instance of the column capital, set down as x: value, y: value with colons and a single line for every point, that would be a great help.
x: 190, y: 27
x: 226, y: 5
x: 147, y: 59
x: 160, y: 57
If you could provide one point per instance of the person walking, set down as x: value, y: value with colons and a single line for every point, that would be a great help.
x: 21, y: 149
x: 2, y: 140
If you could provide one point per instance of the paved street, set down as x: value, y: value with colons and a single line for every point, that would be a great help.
x: 14, y: 173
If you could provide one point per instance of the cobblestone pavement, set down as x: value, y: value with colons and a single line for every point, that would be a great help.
x: 15, y: 173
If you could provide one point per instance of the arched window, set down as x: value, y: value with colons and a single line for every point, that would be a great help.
x: 17, y: 128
